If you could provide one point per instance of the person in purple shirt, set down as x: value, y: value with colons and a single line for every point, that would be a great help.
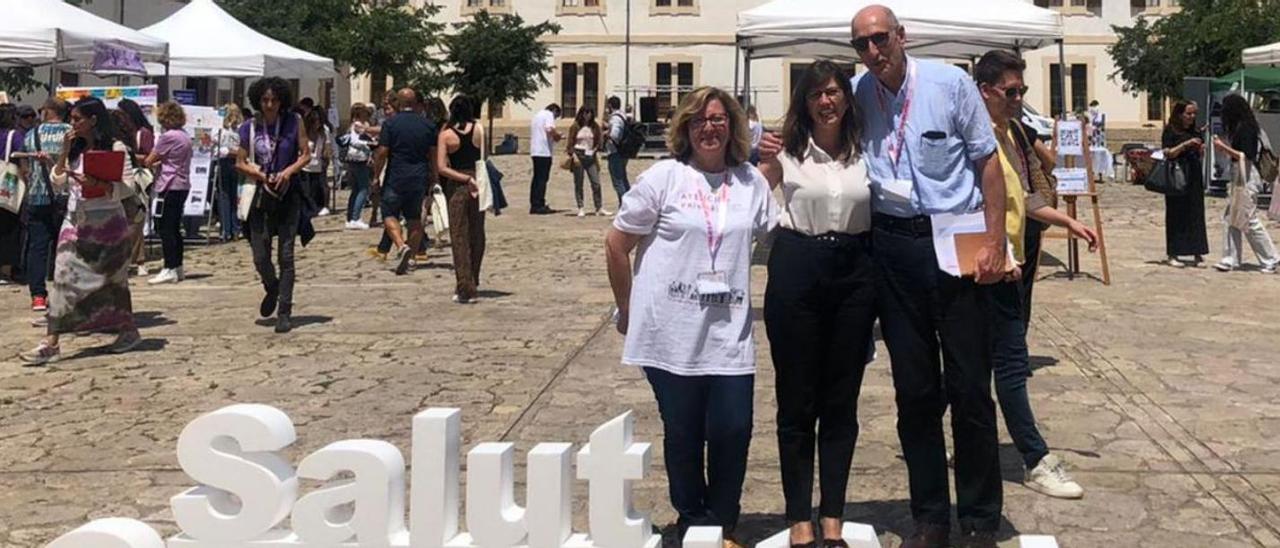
x: 172, y: 153
x: 273, y: 149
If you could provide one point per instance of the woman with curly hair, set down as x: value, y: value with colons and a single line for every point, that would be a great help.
x: 173, y: 154
x: 273, y: 149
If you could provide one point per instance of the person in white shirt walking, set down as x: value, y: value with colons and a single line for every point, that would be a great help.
x: 542, y: 136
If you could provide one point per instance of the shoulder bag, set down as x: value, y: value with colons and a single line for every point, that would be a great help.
x: 1167, y: 177
x: 485, y: 192
x: 1268, y: 166
x: 12, y: 188
x: 1042, y: 181
x: 248, y: 186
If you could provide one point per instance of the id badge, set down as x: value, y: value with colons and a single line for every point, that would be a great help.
x: 898, y: 190
x: 713, y: 283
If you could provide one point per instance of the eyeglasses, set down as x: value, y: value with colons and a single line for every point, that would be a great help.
x: 829, y: 93
x: 716, y: 120
x: 1011, y: 93
x: 880, y: 39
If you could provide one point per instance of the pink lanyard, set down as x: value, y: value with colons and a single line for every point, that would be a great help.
x: 899, y: 142
x: 714, y: 239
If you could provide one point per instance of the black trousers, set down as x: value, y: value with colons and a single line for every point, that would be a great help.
x: 538, y: 187
x: 1031, y: 244
x: 172, y: 204
x: 926, y: 314
x: 819, y: 308
x: 280, y: 222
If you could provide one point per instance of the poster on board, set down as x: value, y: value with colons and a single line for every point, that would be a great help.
x: 202, y: 123
x: 1070, y: 138
x: 1072, y: 180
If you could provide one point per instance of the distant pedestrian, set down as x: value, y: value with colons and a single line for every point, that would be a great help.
x: 46, y: 206
x: 457, y: 152
x: 358, y: 156
x: 617, y: 160
x: 313, y: 174
x: 686, y: 307
x: 90, y: 290
x: 1185, y: 234
x: 1245, y: 140
x: 142, y: 139
x: 173, y: 154
x: 406, y: 147
x: 10, y: 222
x: 587, y: 139
x: 273, y: 149
x: 228, y: 140
x: 542, y: 138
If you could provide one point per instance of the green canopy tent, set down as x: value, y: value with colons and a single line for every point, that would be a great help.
x: 1249, y: 78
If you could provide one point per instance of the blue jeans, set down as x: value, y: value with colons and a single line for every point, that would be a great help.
x: 228, y: 197
x: 43, y: 224
x: 360, y: 172
x: 704, y: 416
x: 1012, y: 367
x: 618, y: 174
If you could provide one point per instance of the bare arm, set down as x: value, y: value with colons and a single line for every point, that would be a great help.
x: 442, y: 159
x: 379, y: 162
x: 1236, y: 156
x: 991, y: 258
x: 1047, y: 159
x: 617, y: 250
x: 1049, y: 215
x: 151, y: 160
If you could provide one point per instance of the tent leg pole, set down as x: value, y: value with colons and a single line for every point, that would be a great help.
x: 746, y: 78
x: 1062, y: 78
x: 737, y: 53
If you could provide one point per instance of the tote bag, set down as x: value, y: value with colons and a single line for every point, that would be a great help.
x: 12, y: 188
x: 485, y: 196
x: 248, y: 186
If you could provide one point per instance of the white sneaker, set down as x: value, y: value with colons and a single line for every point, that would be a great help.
x: 1224, y: 266
x: 1174, y: 262
x: 581, y: 213
x: 1050, y: 478
x: 142, y: 270
x: 602, y: 212
x: 349, y: 225
x: 361, y: 225
x: 323, y: 212
x: 166, y: 276
x: 1269, y: 268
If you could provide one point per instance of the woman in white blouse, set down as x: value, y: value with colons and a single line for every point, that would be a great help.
x: 819, y: 305
x: 587, y: 139
x: 686, y: 307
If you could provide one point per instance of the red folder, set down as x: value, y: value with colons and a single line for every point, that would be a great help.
x: 104, y: 165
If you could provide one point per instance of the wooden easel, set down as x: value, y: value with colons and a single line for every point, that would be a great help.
x: 1073, y: 243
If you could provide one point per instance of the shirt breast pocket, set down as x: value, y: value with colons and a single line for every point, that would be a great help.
x: 935, y: 154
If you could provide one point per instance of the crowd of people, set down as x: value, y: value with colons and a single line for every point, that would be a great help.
x: 863, y: 165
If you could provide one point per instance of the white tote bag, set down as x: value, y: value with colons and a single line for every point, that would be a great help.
x: 248, y: 186
x: 485, y: 196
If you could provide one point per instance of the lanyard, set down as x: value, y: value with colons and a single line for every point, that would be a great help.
x: 898, y: 142
x: 715, y: 234
x: 273, y: 143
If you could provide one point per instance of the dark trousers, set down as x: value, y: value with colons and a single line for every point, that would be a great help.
x: 279, y: 222
x: 316, y: 188
x: 819, y: 308
x: 925, y: 312
x: 360, y: 173
x: 618, y: 174
x: 1011, y: 363
x: 704, y: 416
x: 228, y: 197
x: 10, y: 240
x: 1031, y: 244
x: 538, y: 187
x: 43, y: 224
x: 466, y: 237
x: 172, y: 203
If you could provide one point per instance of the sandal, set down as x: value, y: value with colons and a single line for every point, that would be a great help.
x: 42, y: 354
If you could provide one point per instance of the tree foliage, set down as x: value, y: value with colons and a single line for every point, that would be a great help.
x: 1203, y: 39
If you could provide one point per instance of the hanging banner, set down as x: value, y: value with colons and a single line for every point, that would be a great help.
x: 147, y: 97
x: 109, y: 57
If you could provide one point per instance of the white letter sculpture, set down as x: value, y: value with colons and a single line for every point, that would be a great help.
x: 433, y: 512
x: 377, y: 492
x: 231, y: 453
x: 610, y: 463
x: 110, y: 533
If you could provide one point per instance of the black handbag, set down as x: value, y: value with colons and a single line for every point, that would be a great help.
x: 1168, y: 178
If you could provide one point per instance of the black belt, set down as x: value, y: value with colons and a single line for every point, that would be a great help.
x: 829, y: 238
x: 919, y: 225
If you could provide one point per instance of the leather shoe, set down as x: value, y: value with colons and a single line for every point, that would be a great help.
x: 978, y: 539
x: 268, y: 306
x: 283, y: 325
x: 929, y: 535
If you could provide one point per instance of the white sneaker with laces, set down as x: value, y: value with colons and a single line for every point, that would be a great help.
x: 602, y: 212
x: 1223, y: 266
x: 581, y: 213
x: 1050, y: 478
x: 42, y: 354
x: 166, y: 276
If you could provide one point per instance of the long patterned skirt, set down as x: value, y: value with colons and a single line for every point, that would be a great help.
x: 90, y: 290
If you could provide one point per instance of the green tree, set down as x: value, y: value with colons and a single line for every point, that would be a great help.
x: 376, y: 37
x: 496, y: 58
x: 1203, y: 39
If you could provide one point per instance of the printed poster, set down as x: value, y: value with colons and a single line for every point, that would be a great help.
x: 1070, y: 138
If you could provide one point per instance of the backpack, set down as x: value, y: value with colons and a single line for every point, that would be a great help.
x: 633, y: 137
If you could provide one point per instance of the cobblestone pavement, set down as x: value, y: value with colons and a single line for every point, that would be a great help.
x: 1158, y: 390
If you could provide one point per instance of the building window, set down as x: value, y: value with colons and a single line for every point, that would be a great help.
x: 579, y: 86
x: 1077, y: 88
x: 580, y: 7
x: 672, y: 81
x: 1155, y: 108
x: 498, y: 110
x: 673, y: 7
x: 1055, y: 90
x: 1154, y: 7
x: 470, y: 7
x: 1073, y: 6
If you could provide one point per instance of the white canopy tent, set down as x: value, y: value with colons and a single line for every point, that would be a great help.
x: 1261, y: 56
x: 237, y: 52
x: 51, y: 32
x: 934, y: 28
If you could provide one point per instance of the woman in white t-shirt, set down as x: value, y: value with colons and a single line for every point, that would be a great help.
x: 686, y: 307
x: 587, y: 140
x: 819, y: 304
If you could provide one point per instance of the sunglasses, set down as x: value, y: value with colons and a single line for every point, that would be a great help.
x: 879, y: 39
x: 1011, y: 93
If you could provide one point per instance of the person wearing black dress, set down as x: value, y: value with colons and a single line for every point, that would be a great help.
x: 1184, y: 229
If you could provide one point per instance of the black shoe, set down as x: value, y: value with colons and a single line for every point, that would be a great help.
x: 929, y: 535
x: 282, y: 324
x: 544, y: 210
x: 268, y: 306
x: 978, y: 539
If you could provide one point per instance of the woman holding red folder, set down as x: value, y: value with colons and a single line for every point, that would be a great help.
x: 90, y: 290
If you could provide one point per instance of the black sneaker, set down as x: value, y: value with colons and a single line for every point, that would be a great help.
x: 268, y: 306
x: 283, y: 325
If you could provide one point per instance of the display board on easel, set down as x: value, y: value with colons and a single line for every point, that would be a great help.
x: 1071, y: 143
